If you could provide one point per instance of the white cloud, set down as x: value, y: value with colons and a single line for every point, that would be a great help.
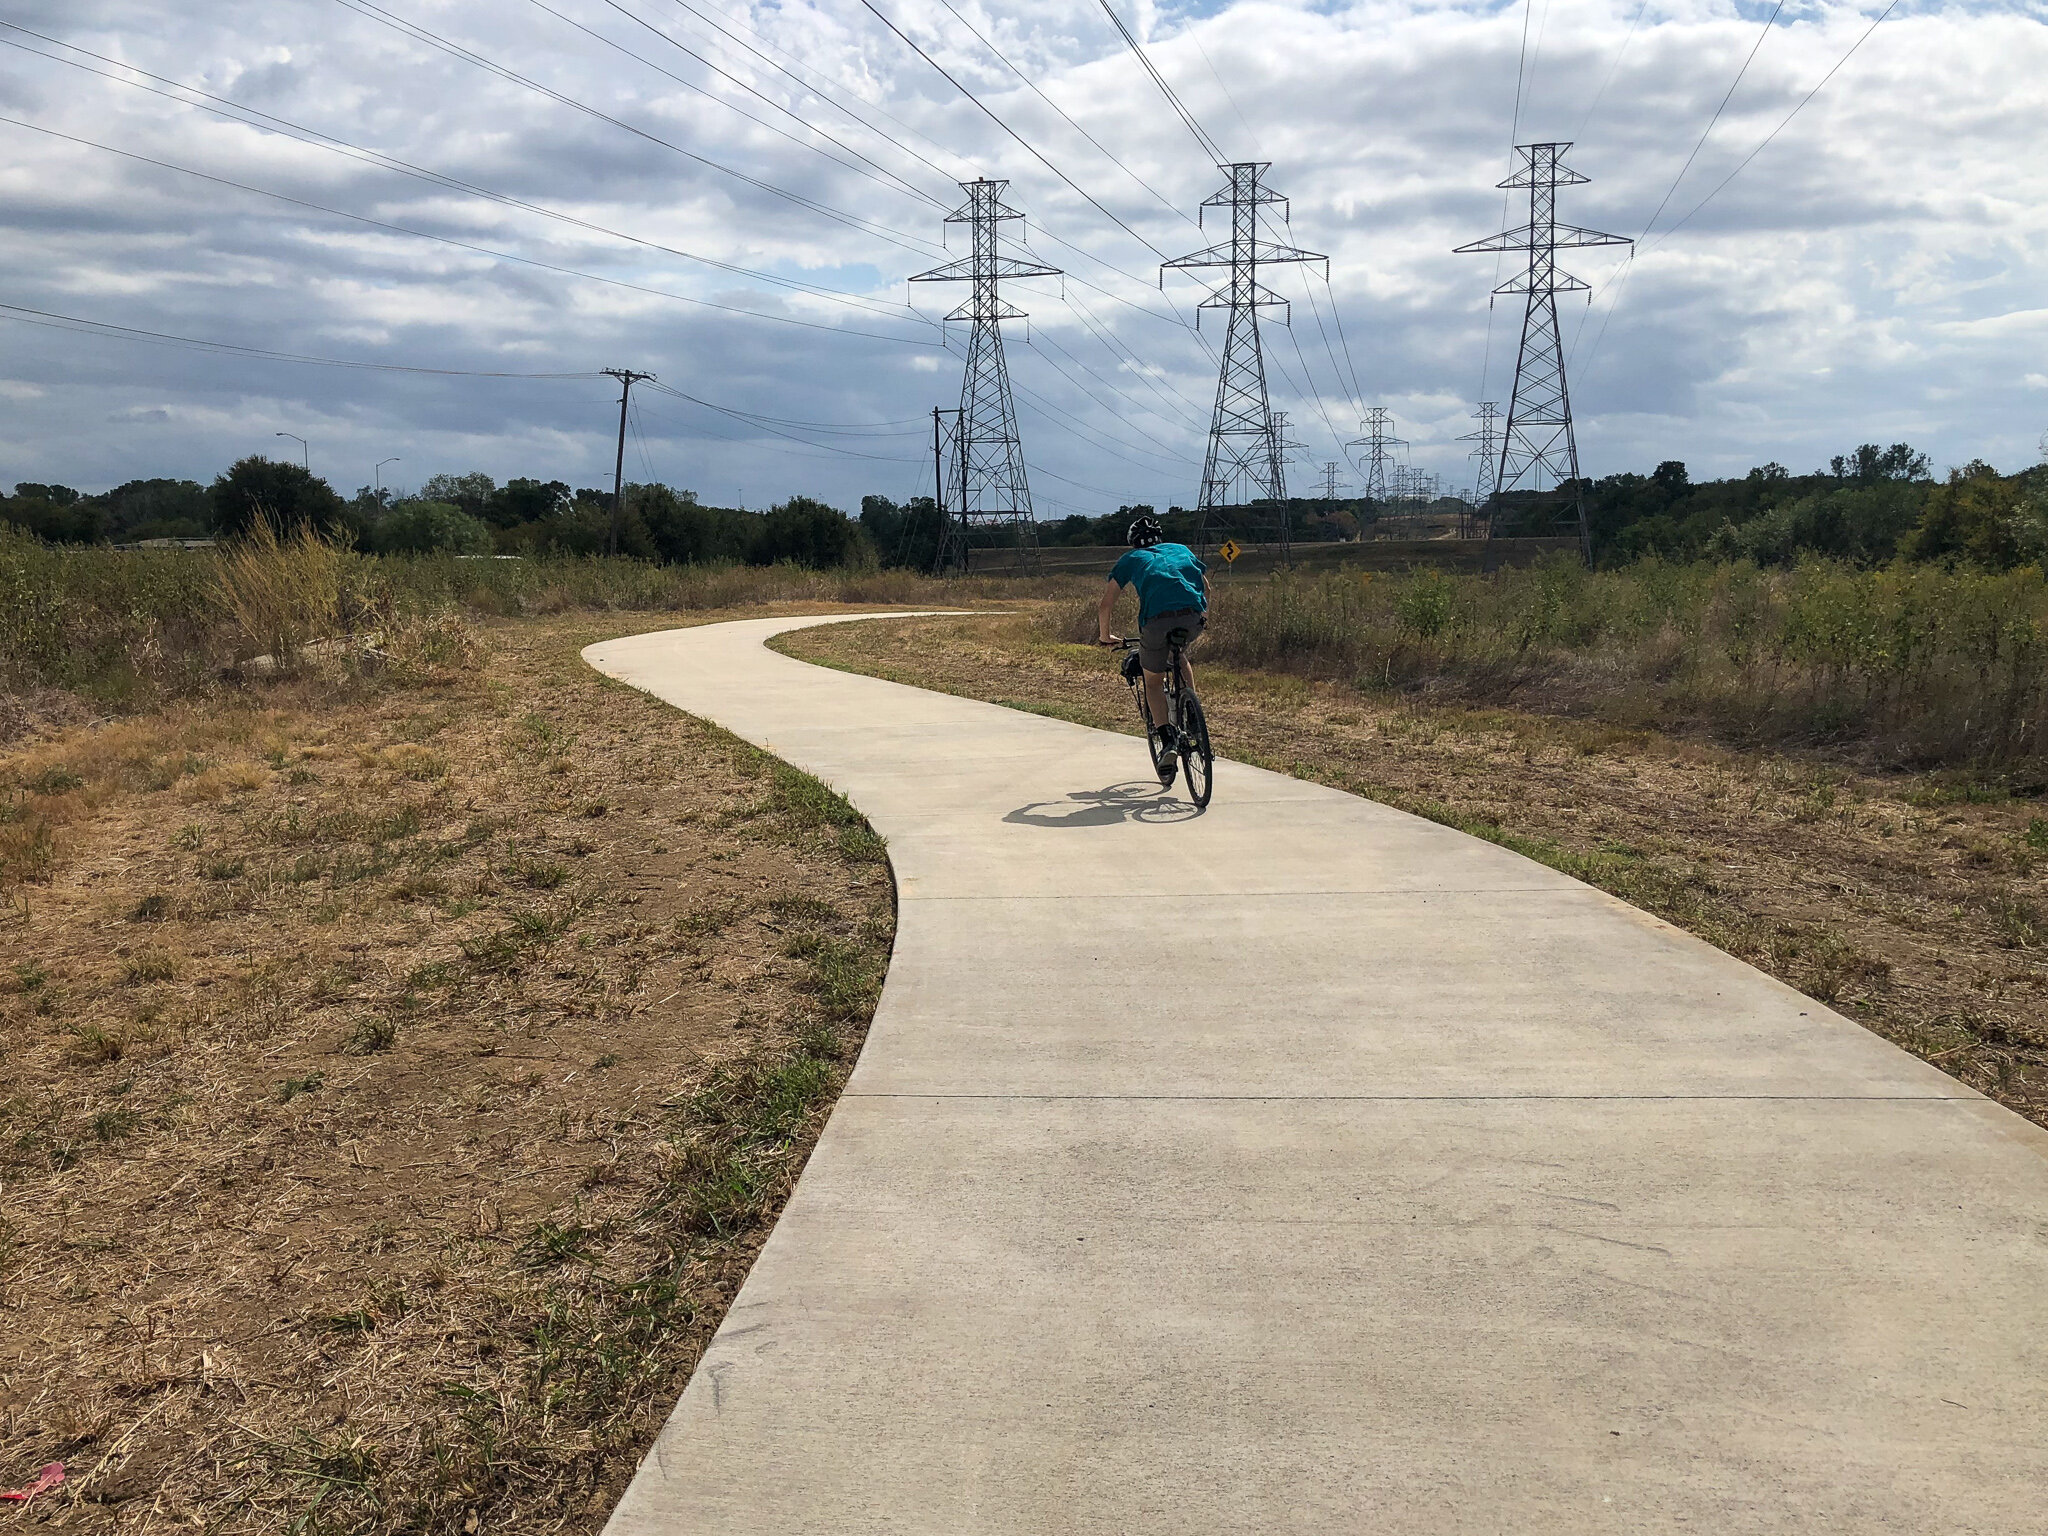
x: 1874, y: 274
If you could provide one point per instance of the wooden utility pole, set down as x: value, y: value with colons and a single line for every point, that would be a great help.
x: 627, y: 379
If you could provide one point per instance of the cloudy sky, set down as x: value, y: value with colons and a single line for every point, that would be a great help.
x: 732, y: 193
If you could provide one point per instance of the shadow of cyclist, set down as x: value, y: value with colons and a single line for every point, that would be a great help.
x: 1139, y: 800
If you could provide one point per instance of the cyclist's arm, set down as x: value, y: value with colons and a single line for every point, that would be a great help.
x: 1103, y: 611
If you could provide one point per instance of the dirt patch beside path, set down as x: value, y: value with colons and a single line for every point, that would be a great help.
x: 401, y: 1075
x: 1912, y: 903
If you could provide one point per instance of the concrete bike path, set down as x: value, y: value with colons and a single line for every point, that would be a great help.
x: 1304, y: 1167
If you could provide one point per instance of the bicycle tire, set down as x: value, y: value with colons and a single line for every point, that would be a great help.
x: 1197, y: 759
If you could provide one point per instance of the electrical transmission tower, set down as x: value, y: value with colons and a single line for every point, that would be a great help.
x: 1379, y: 443
x: 1483, y: 464
x: 1539, y: 455
x: 1245, y: 463
x: 989, y: 490
x: 1330, y: 480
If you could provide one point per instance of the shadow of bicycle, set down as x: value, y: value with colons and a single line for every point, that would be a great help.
x: 1139, y: 800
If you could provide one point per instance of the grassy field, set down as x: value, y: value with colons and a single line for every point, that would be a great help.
x: 1913, y: 666
x: 1915, y: 902
x: 85, y: 631
x: 404, y: 1064
x: 325, y: 880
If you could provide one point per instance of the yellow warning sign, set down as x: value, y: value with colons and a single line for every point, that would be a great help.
x: 1230, y: 551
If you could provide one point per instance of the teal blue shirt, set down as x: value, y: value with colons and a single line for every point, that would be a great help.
x: 1168, y: 578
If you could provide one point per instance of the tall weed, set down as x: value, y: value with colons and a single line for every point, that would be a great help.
x: 133, y: 628
x: 1912, y: 663
x: 281, y: 593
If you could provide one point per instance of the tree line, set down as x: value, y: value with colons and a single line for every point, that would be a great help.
x: 1870, y: 506
x: 469, y: 514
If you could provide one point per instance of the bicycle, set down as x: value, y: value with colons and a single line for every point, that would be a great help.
x: 1194, y: 756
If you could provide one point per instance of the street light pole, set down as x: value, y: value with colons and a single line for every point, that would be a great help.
x: 305, y: 453
x: 378, y: 475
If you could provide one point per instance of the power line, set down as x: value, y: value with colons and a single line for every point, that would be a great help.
x: 1336, y: 370
x: 1177, y: 423
x: 1723, y: 107
x: 376, y: 13
x: 449, y: 240
x: 1612, y: 70
x: 1107, y: 441
x: 236, y: 112
x: 1208, y: 145
x: 53, y: 321
x: 1097, y: 326
x: 752, y: 421
x: 877, y: 171
x: 1783, y: 123
x: 873, y: 9
x: 1032, y: 86
x: 825, y: 95
x: 1619, y: 284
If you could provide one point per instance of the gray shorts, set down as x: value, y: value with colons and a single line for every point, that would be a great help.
x: 1152, y: 638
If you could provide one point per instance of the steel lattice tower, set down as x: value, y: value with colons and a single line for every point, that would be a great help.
x: 1329, y: 480
x: 1483, y: 462
x: 1379, y: 444
x: 1538, y: 444
x: 1245, y: 461
x: 989, y: 488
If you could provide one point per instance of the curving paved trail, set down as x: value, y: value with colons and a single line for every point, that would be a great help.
x: 1307, y: 1167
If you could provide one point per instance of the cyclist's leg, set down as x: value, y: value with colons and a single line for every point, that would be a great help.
x: 1187, y: 668
x: 1152, y: 657
x: 1155, y: 698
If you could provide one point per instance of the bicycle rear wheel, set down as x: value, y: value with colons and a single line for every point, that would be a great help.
x: 1196, y: 758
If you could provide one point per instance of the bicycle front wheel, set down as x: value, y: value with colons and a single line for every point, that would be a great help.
x: 1197, y: 760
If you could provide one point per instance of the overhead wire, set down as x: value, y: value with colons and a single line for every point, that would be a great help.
x: 1030, y: 148
x: 1612, y: 70
x: 1168, y: 456
x: 373, y: 12
x: 750, y: 420
x: 1033, y: 87
x: 1093, y: 324
x: 1208, y: 145
x: 1764, y: 143
x: 236, y: 112
x: 1312, y: 392
x: 52, y: 320
x: 1727, y: 97
x: 825, y: 94
x: 1125, y: 359
x: 449, y: 240
x: 876, y: 172
x: 1336, y: 368
x: 1217, y: 75
x: 1514, y: 133
x: 828, y: 452
x: 1620, y: 284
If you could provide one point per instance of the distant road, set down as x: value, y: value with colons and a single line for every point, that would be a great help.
x: 1306, y: 1167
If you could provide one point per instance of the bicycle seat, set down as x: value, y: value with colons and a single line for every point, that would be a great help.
x: 1179, y: 636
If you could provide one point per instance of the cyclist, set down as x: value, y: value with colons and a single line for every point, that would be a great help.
x: 1173, y: 593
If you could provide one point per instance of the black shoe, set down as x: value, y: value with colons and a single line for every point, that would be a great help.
x: 1169, y: 741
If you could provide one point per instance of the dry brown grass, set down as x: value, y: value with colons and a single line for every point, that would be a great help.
x: 1915, y: 903
x: 404, y: 1064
